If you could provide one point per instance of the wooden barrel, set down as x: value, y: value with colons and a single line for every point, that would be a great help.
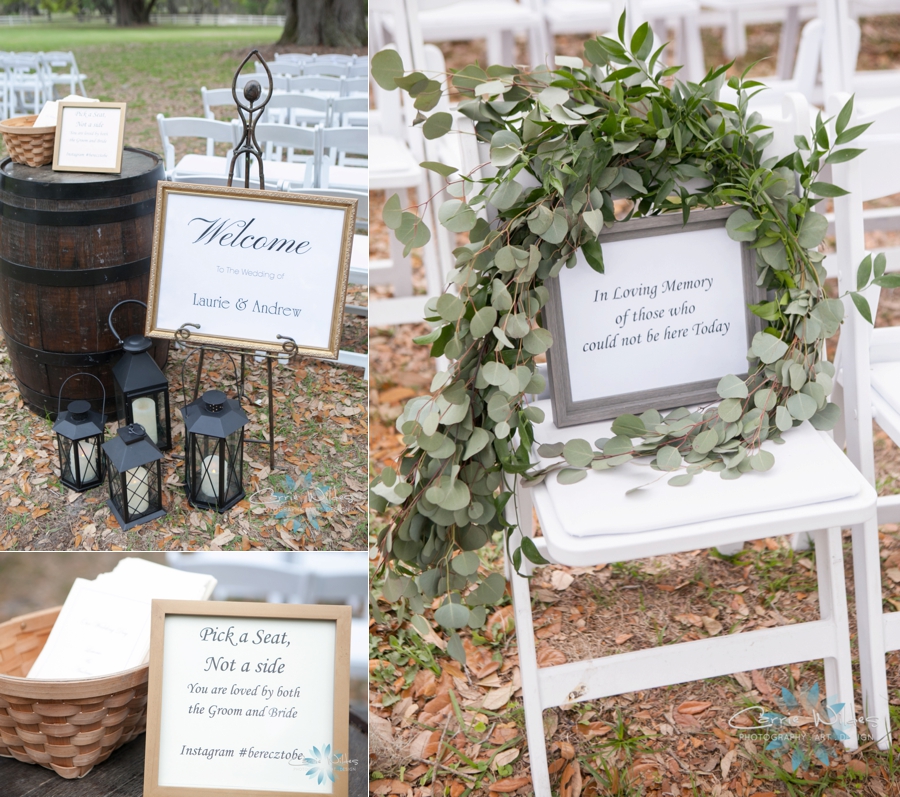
x: 72, y: 246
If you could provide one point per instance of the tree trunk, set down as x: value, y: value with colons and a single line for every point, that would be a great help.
x: 329, y: 23
x: 133, y: 12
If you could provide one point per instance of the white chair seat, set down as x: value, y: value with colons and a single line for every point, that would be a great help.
x: 575, y: 16
x: 359, y: 260
x: 201, y: 164
x: 456, y: 19
x: 809, y: 470
x: 353, y: 178
x: 391, y: 164
x: 296, y: 173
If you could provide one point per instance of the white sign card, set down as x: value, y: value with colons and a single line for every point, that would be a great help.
x: 248, y: 699
x: 243, y: 267
x: 89, y: 137
x: 664, y: 322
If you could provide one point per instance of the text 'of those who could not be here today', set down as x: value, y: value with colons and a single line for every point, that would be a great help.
x: 674, y: 320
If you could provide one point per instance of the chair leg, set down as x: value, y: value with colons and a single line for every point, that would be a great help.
x: 870, y: 627
x: 833, y: 607
x: 534, y: 715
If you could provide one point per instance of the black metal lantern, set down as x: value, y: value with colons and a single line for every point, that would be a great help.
x: 142, y: 390
x: 214, y: 451
x: 79, y: 435
x: 135, y: 477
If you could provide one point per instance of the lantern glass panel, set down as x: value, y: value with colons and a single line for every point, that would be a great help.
x: 81, y: 462
x: 150, y: 410
x: 136, y: 491
x: 216, y: 468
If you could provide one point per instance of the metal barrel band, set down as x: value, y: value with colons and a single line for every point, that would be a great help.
x: 62, y: 359
x: 79, y: 218
x: 74, y: 278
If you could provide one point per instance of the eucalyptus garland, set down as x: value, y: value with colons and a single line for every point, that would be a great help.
x: 614, y: 126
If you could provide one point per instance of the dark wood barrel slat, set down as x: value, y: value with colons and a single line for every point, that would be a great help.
x: 54, y: 330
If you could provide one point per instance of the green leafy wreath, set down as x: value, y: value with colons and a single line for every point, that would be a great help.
x: 616, y: 128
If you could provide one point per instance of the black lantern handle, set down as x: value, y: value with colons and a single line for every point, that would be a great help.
x: 80, y: 373
x: 125, y: 301
x: 183, y: 364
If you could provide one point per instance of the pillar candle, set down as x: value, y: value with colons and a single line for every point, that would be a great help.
x: 87, y: 457
x: 137, y: 491
x: 143, y: 411
x: 209, y: 485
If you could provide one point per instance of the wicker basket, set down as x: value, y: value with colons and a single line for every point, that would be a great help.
x: 66, y: 726
x: 26, y: 143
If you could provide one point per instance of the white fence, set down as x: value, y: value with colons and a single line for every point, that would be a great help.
x: 212, y: 20
x: 219, y: 20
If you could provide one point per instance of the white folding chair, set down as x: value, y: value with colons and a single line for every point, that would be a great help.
x: 598, y: 16
x: 868, y: 387
x: 26, y: 83
x: 352, y: 86
x: 282, y: 67
x: 298, y: 109
x: 71, y: 77
x: 192, y: 127
x: 349, y: 112
x: 343, y: 153
x: 279, y: 82
x: 497, y: 22
x: 301, y: 172
x: 316, y: 83
x: 397, y: 148
x: 359, y: 70
x: 273, y: 576
x: 812, y: 489
x: 330, y: 68
x: 222, y: 180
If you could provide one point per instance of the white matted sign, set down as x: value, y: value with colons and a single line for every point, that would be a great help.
x: 243, y: 267
x: 89, y: 137
x: 247, y: 699
x: 661, y: 326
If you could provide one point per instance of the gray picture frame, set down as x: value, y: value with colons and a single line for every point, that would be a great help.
x: 566, y: 411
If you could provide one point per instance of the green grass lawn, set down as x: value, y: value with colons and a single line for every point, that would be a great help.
x: 154, y: 70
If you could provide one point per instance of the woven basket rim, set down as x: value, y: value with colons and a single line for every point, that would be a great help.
x: 30, y: 130
x: 73, y: 688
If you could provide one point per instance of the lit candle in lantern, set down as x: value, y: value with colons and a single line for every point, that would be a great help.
x: 137, y: 489
x: 143, y: 411
x: 87, y: 459
x: 209, y: 485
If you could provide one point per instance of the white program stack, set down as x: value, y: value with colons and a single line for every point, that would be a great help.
x: 104, y: 625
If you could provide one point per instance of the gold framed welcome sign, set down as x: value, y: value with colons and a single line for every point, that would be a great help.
x: 248, y: 699
x: 250, y: 268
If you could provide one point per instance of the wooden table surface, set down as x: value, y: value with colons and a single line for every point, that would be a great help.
x: 122, y: 774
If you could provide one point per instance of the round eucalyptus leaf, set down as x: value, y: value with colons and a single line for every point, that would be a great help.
x: 578, y: 453
x: 668, y: 458
x: 452, y: 615
x: 465, y: 563
x: 570, y: 475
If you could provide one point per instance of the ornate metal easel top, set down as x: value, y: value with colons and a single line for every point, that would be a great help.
x: 248, y: 145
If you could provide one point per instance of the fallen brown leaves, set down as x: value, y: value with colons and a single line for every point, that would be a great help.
x: 316, y: 497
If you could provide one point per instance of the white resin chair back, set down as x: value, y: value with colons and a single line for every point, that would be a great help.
x: 307, y: 83
x: 193, y: 127
x: 301, y: 145
x: 71, y: 77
